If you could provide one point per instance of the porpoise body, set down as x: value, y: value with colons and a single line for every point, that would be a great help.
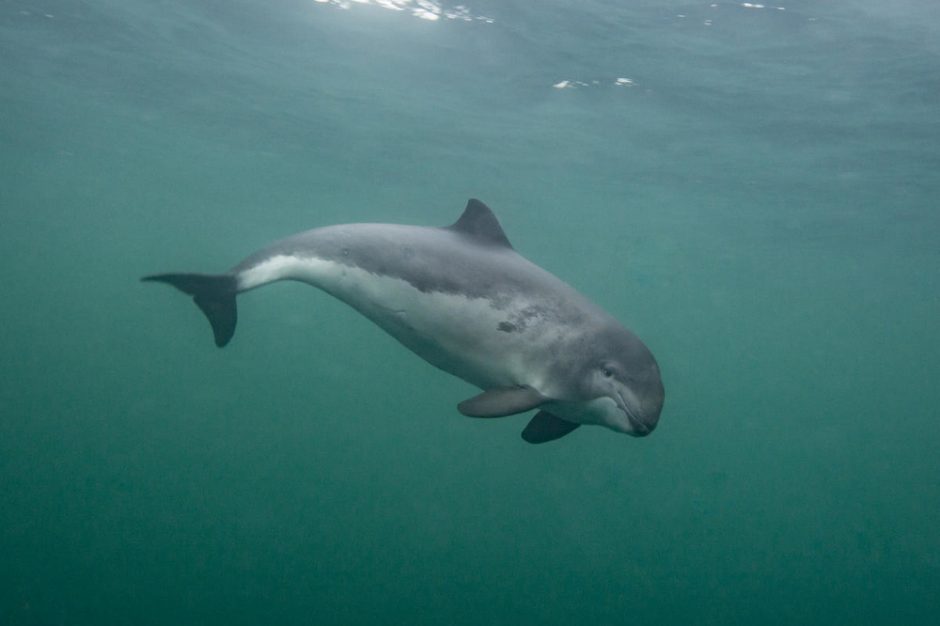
x: 463, y: 299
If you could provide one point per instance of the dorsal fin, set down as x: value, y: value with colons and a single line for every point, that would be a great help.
x: 479, y: 223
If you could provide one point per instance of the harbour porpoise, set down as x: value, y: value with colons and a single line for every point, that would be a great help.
x: 464, y: 300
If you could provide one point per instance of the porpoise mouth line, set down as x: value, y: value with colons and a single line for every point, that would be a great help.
x: 636, y: 422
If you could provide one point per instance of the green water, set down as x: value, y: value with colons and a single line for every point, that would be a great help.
x: 758, y: 201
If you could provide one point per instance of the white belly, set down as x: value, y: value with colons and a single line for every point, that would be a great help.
x: 458, y: 334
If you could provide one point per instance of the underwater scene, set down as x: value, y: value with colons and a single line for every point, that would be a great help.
x: 707, y: 231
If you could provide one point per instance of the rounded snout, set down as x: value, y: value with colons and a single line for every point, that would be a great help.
x: 640, y: 429
x: 642, y: 426
x: 643, y: 413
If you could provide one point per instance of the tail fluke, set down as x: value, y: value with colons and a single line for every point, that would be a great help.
x: 214, y: 294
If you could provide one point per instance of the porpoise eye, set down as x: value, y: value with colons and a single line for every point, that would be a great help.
x: 608, y: 373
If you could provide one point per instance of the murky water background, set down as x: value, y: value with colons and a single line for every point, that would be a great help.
x: 753, y: 189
